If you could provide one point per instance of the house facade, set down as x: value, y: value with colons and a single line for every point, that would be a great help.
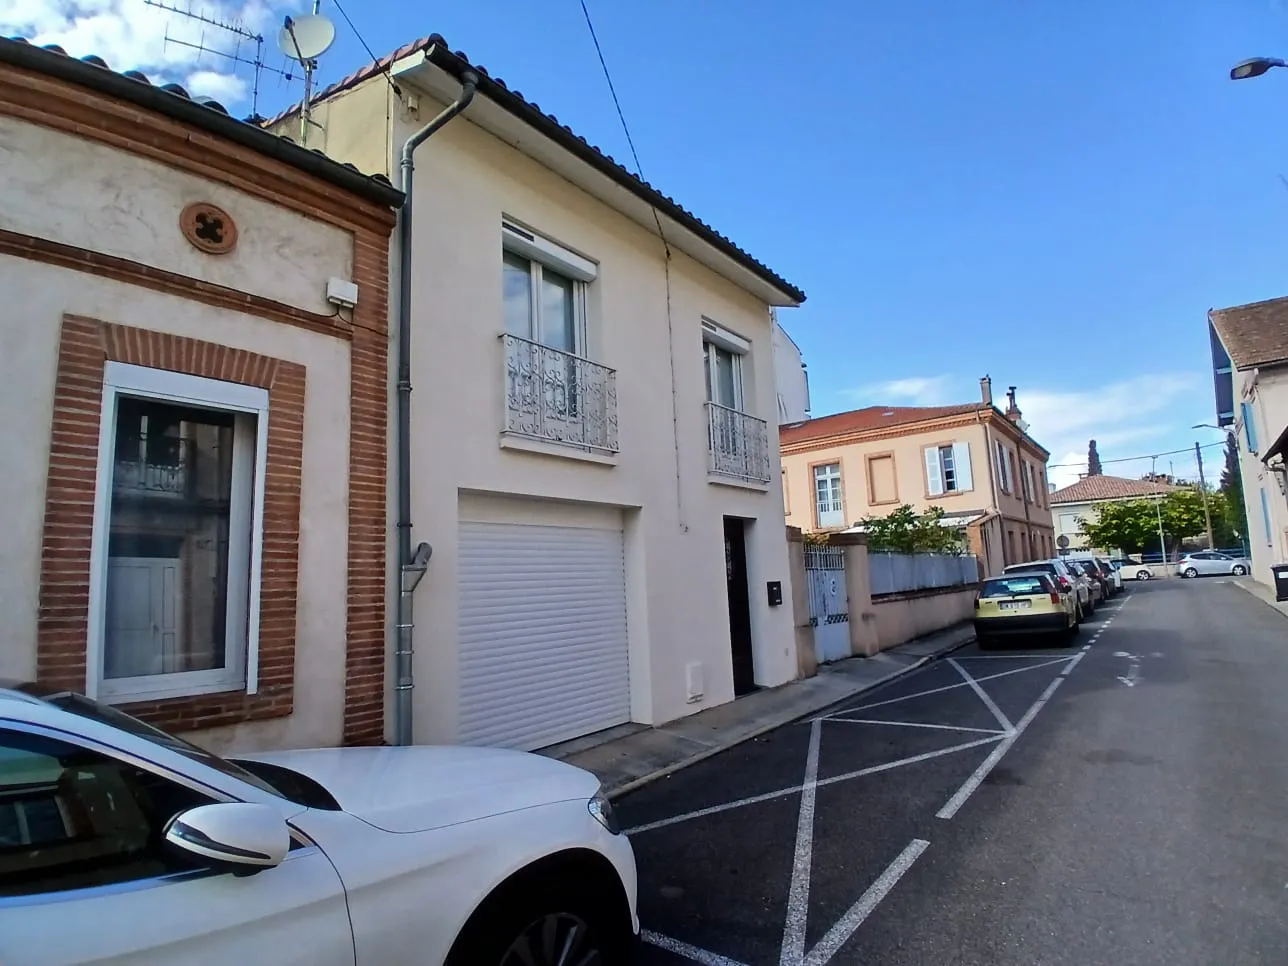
x: 976, y: 462
x: 1250, y: 368
x: 791, y: 378
x: 1083, y: 501
x: 195, y: 455
x: 591, y: 424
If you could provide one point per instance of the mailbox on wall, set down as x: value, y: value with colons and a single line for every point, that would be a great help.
x: 775, y: 589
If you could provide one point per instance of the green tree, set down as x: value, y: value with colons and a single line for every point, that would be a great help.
x: 1132, y: 525
x: 1235, y: 510
x: 903, y: 530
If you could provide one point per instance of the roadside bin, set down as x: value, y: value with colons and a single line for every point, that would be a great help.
x: 1279, y: 572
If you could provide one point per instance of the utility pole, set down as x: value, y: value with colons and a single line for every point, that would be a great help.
x: 1158, y: 507
x: 1207, y: 512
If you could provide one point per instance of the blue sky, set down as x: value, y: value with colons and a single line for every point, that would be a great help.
x: 1050, y: 193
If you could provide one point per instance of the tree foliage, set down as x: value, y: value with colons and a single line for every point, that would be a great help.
x: 1236, y: 511
x: 1132, y: 525
x: 905, y: 531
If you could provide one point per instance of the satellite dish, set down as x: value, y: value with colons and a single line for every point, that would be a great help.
x: 306, y: 38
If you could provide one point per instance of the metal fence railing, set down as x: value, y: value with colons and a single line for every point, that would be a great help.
x: 894, y: 573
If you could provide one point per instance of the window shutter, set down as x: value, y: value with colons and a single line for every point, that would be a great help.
x: 961, y: 460
x: 1010, y: 470
x: 1001, y: 465
x: 934, y: 477
x: 1249, y: 427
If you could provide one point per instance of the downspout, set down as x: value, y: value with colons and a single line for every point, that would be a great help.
x: 411, y: 563
x: 992, y: 483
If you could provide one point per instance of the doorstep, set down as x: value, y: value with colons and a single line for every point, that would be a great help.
x: 629, y: 756
x: 1258, y: 589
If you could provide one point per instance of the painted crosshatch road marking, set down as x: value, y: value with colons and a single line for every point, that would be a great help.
x: 795, y: 949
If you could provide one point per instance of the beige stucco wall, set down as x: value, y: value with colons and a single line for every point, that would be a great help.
x: 901, y: 617
x: 659, y: 489
x: 1270, y: 405
x: 92, y: 196
x: 1065, y: 517
x: 910, y: 475
x: 107, y: 199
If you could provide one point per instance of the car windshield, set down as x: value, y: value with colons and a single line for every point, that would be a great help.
x: 1017, y: 586
x: 92, y: 710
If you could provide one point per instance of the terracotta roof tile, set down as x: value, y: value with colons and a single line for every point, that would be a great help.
x: 455, y: 62
x: 1091, y: 488
x: 864, y: 420
x: 1254, y: 334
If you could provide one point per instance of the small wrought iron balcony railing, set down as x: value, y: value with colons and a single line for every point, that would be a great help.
x: 737, y: 444
x: 557, y: 397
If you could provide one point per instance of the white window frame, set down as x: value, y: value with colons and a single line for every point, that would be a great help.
x: 718, y: 337
x: 542, y: 253
x: 963, y: 473
x: 829, y: 477
x: 246, y: 524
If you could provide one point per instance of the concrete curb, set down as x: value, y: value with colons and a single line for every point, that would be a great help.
x: 624, y: 788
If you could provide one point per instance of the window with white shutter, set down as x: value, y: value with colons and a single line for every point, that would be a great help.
x: 827, y: 496
x: 948, y: 469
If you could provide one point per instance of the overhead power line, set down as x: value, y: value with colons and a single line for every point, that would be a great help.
x: 1132, y: 459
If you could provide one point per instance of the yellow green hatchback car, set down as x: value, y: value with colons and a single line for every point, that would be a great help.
x: 1024, y: 605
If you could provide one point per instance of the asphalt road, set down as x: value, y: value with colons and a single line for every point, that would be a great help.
x: 1138, y: 814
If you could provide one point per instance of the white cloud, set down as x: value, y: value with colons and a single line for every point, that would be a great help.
x: 1125, y: 418
x: 910, y: 391
x: 135, y: 35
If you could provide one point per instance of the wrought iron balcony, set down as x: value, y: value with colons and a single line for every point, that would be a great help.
x: 163, y: 470
x: 558, y: 397
x: 738, y: 444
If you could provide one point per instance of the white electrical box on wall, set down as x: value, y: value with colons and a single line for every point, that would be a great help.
x: 341, y: 292
x: 693, y: 681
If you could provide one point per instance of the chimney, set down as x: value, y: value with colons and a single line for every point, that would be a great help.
x: 1012, y: 410
x: 986, y: 390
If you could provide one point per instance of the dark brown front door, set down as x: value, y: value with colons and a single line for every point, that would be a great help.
x: 744, y: 674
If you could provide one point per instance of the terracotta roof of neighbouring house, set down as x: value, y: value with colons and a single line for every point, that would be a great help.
x: 207, y: 114
x: 439, y: 53
x: 1092, y: 488
x: 1254, y: 334
x: 866, y: 420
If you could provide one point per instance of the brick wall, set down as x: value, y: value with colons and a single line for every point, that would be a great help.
x: 63, y: 624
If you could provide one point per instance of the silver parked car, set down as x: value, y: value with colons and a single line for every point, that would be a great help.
x: 1208, y: 562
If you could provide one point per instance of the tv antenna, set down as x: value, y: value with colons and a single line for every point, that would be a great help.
x: 305, y: 39
x: 236, y: 56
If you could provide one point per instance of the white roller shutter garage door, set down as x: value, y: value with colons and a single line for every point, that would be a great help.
x: 542, y: 632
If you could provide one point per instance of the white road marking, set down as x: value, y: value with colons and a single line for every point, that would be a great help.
x: 783, y: 792
x: 950, y: 687
x: 1001, y: 657
x: 959, y: 799
x: 916, y: 724
x: 845, y: 927
x: 1086, y: 647
x: 1072, y: 664
x: 1002, y: 719
x: 692, y: 953
x: 793, y: 952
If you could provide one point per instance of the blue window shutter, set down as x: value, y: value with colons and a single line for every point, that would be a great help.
x: 1265, y: 516
x: 1249, y: 427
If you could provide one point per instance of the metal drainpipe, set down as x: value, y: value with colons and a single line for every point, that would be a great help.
x: 411, y: 564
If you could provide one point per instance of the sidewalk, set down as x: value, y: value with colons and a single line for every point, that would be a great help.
x: 1257, y: 589
x: 626, y: 757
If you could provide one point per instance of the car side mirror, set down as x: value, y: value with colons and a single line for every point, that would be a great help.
x: 238, y: 837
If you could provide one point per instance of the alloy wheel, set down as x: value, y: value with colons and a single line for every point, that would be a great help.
x: 1191, y: 573
x: 557, y: 939
x: 1240, y: 570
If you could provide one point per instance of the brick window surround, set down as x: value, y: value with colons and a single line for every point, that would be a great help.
x: 85, y: 346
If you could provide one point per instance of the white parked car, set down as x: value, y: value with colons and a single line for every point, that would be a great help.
x: 122, y: 844
x: 1207, y: 562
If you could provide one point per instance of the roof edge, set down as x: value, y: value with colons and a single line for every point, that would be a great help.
x: 104, y: 80
x: 455, y: 63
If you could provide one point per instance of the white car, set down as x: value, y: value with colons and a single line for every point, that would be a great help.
x: 1208, y: 562
x: 122, y: 844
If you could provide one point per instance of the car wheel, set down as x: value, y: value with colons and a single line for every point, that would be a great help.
x: 1191, y: 572
x: 1239, y: 570
x: 1143, y: 575
x: 554, y: 922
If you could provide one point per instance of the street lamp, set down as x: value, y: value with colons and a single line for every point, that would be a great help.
x: 1254, y: 67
